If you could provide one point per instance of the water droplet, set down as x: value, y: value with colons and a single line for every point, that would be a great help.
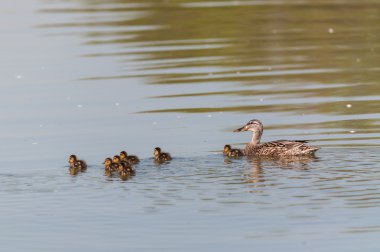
x: 331, y: 30
x: 348, y: 105
x: 352, y: 131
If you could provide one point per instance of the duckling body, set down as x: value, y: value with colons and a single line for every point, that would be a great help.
x: 229, y: 152
x: 81, y: 165
x: 129, y: 158
x: 160, y: 156
x: 278, y: 148
x: 74, y: 162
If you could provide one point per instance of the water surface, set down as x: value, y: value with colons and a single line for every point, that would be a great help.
x: 94, y: 78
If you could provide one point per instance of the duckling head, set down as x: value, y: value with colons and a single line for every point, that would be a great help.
x: 116, y: 159
x: 227, y: 148
x: 253, y: 125
x: 157, y: 151
x: 120, y: 167
x: 72, y: 159
x: 107, y: 161
x: 123, y: 154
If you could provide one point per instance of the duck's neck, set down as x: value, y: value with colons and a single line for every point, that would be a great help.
x: 256, y: 137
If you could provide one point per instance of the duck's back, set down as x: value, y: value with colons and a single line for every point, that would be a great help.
x: 164, y: 157
x: 280, y: 148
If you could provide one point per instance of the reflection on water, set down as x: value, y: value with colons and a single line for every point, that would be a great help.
x: 254, y: 57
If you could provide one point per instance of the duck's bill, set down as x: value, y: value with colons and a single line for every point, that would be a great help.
x: 241, y: 129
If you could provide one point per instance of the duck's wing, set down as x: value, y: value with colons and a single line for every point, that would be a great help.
x: 287, y: 147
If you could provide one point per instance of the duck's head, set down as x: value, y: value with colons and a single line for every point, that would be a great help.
x: 123, y: 154
x: 157, y: 151
x: 72, y: 159
x: 227, y: 148
x: 107, y: 161
x: 116, y: 159
x: 253, y: 125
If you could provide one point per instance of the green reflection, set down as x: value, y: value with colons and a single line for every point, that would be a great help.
x: 304, y: 57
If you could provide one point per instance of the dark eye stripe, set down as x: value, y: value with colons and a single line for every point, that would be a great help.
x: 253, y: 122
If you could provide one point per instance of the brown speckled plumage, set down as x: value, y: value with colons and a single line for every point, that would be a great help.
x: 276, y: 148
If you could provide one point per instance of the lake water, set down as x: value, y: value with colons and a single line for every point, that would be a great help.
x: 97, y: 77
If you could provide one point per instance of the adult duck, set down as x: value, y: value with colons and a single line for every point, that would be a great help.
x: 275, y: 148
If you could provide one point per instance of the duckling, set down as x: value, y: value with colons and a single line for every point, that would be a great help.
x: 229, y: 152
x: 123, y: 166
x: 280, y: 148
x: 109, y: 165
x: 117, y: 159
x: 75, y: 162
x: 125, y: 170
x: 161, y: 156
x: 129, y: 158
